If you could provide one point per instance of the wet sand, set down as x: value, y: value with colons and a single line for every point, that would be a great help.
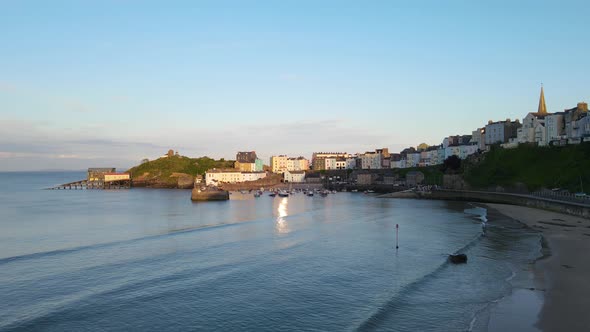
x: 562, y: 279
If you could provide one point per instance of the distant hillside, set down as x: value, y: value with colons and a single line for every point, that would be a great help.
x: 535, y: 167
x: 174, y: 171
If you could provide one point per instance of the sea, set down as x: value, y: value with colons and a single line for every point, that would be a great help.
x: 151, y: 260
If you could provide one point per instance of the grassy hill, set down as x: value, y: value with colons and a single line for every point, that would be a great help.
x: 536, y: 167
x: 163, y: 169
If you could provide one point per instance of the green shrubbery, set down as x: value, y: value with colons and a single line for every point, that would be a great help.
x: 535, y: 167
x: 164, y: 167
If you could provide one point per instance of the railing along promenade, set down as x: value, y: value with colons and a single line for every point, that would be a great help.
x: 554, y: 201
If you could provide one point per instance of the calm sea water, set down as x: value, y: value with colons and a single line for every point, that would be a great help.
x: 149, y: 259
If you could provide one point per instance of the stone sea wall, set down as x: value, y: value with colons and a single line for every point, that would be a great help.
x: 576, y: 209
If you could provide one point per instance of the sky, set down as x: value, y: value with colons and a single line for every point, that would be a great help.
x: 108, y: 83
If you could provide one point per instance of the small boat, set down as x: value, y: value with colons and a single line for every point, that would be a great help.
x: 324, y: 193
x: 283, y: 194
x: 272, y: 194
x: 310, y: 194
x: 257, y: 194
x: 354, y: 190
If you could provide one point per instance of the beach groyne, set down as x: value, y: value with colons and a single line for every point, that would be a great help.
x: 571, y: 208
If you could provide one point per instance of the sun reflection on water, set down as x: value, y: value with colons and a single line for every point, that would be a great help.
x: 281, y: 225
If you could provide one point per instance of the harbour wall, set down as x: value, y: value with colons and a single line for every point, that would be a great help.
x: 209, y: 195
x: 572, y: 208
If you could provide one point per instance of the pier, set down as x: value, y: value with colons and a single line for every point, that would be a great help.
x: 98, y: 178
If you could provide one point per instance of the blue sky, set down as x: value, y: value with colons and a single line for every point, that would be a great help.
x: 101, y: 83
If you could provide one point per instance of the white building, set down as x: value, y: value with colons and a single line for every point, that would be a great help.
x: 533, y: 129
x: 351, y: 163
x: 371, y: 160
x: 413, y: 159
x: 461, y: 151
x: 398, y: 163
x: 294, y: 176
x: 432, y: 157
x: 217, y: 177
x: 318, y: 158
x: 555, y: 126
x: 340, y: 163
x: 467, y: 150
x: 501, y: 131
x: 329, y: 163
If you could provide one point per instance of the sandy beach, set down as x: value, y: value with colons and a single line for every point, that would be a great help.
x: 560, y: 284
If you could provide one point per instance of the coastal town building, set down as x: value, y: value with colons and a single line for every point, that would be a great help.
x: 413, y: 159
x: 278, y: 164
x: 571, y: 118
x: 555, y: 126
x: 297, y: 164
x: 98, y: 173
x: 371, y: 160
x: 329, y: 163
x: 533, y: 125
x: 248, y: 162
x: 282, y: 163
x: 341, y: 163
x: 352, y: 162
x: 378, y: 159
x: 294, y: 176
x: 216, y: 177
x: 478, y: 137
x: 541, y: 128
x: 318, y: 159
x: 364, y: 179
x: 501, y: 131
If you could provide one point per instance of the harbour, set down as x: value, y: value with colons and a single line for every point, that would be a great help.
x: 331, y: 261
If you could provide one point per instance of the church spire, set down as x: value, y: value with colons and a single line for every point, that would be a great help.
x: 542, y: 107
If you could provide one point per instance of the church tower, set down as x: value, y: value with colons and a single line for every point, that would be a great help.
x: 542, y: 107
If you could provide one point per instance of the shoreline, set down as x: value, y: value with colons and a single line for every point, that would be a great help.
x: 558, y: 279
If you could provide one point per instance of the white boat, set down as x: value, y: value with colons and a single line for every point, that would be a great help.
x: 283, y: 193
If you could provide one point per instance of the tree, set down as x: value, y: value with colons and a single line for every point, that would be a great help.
x: 452, y: 163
